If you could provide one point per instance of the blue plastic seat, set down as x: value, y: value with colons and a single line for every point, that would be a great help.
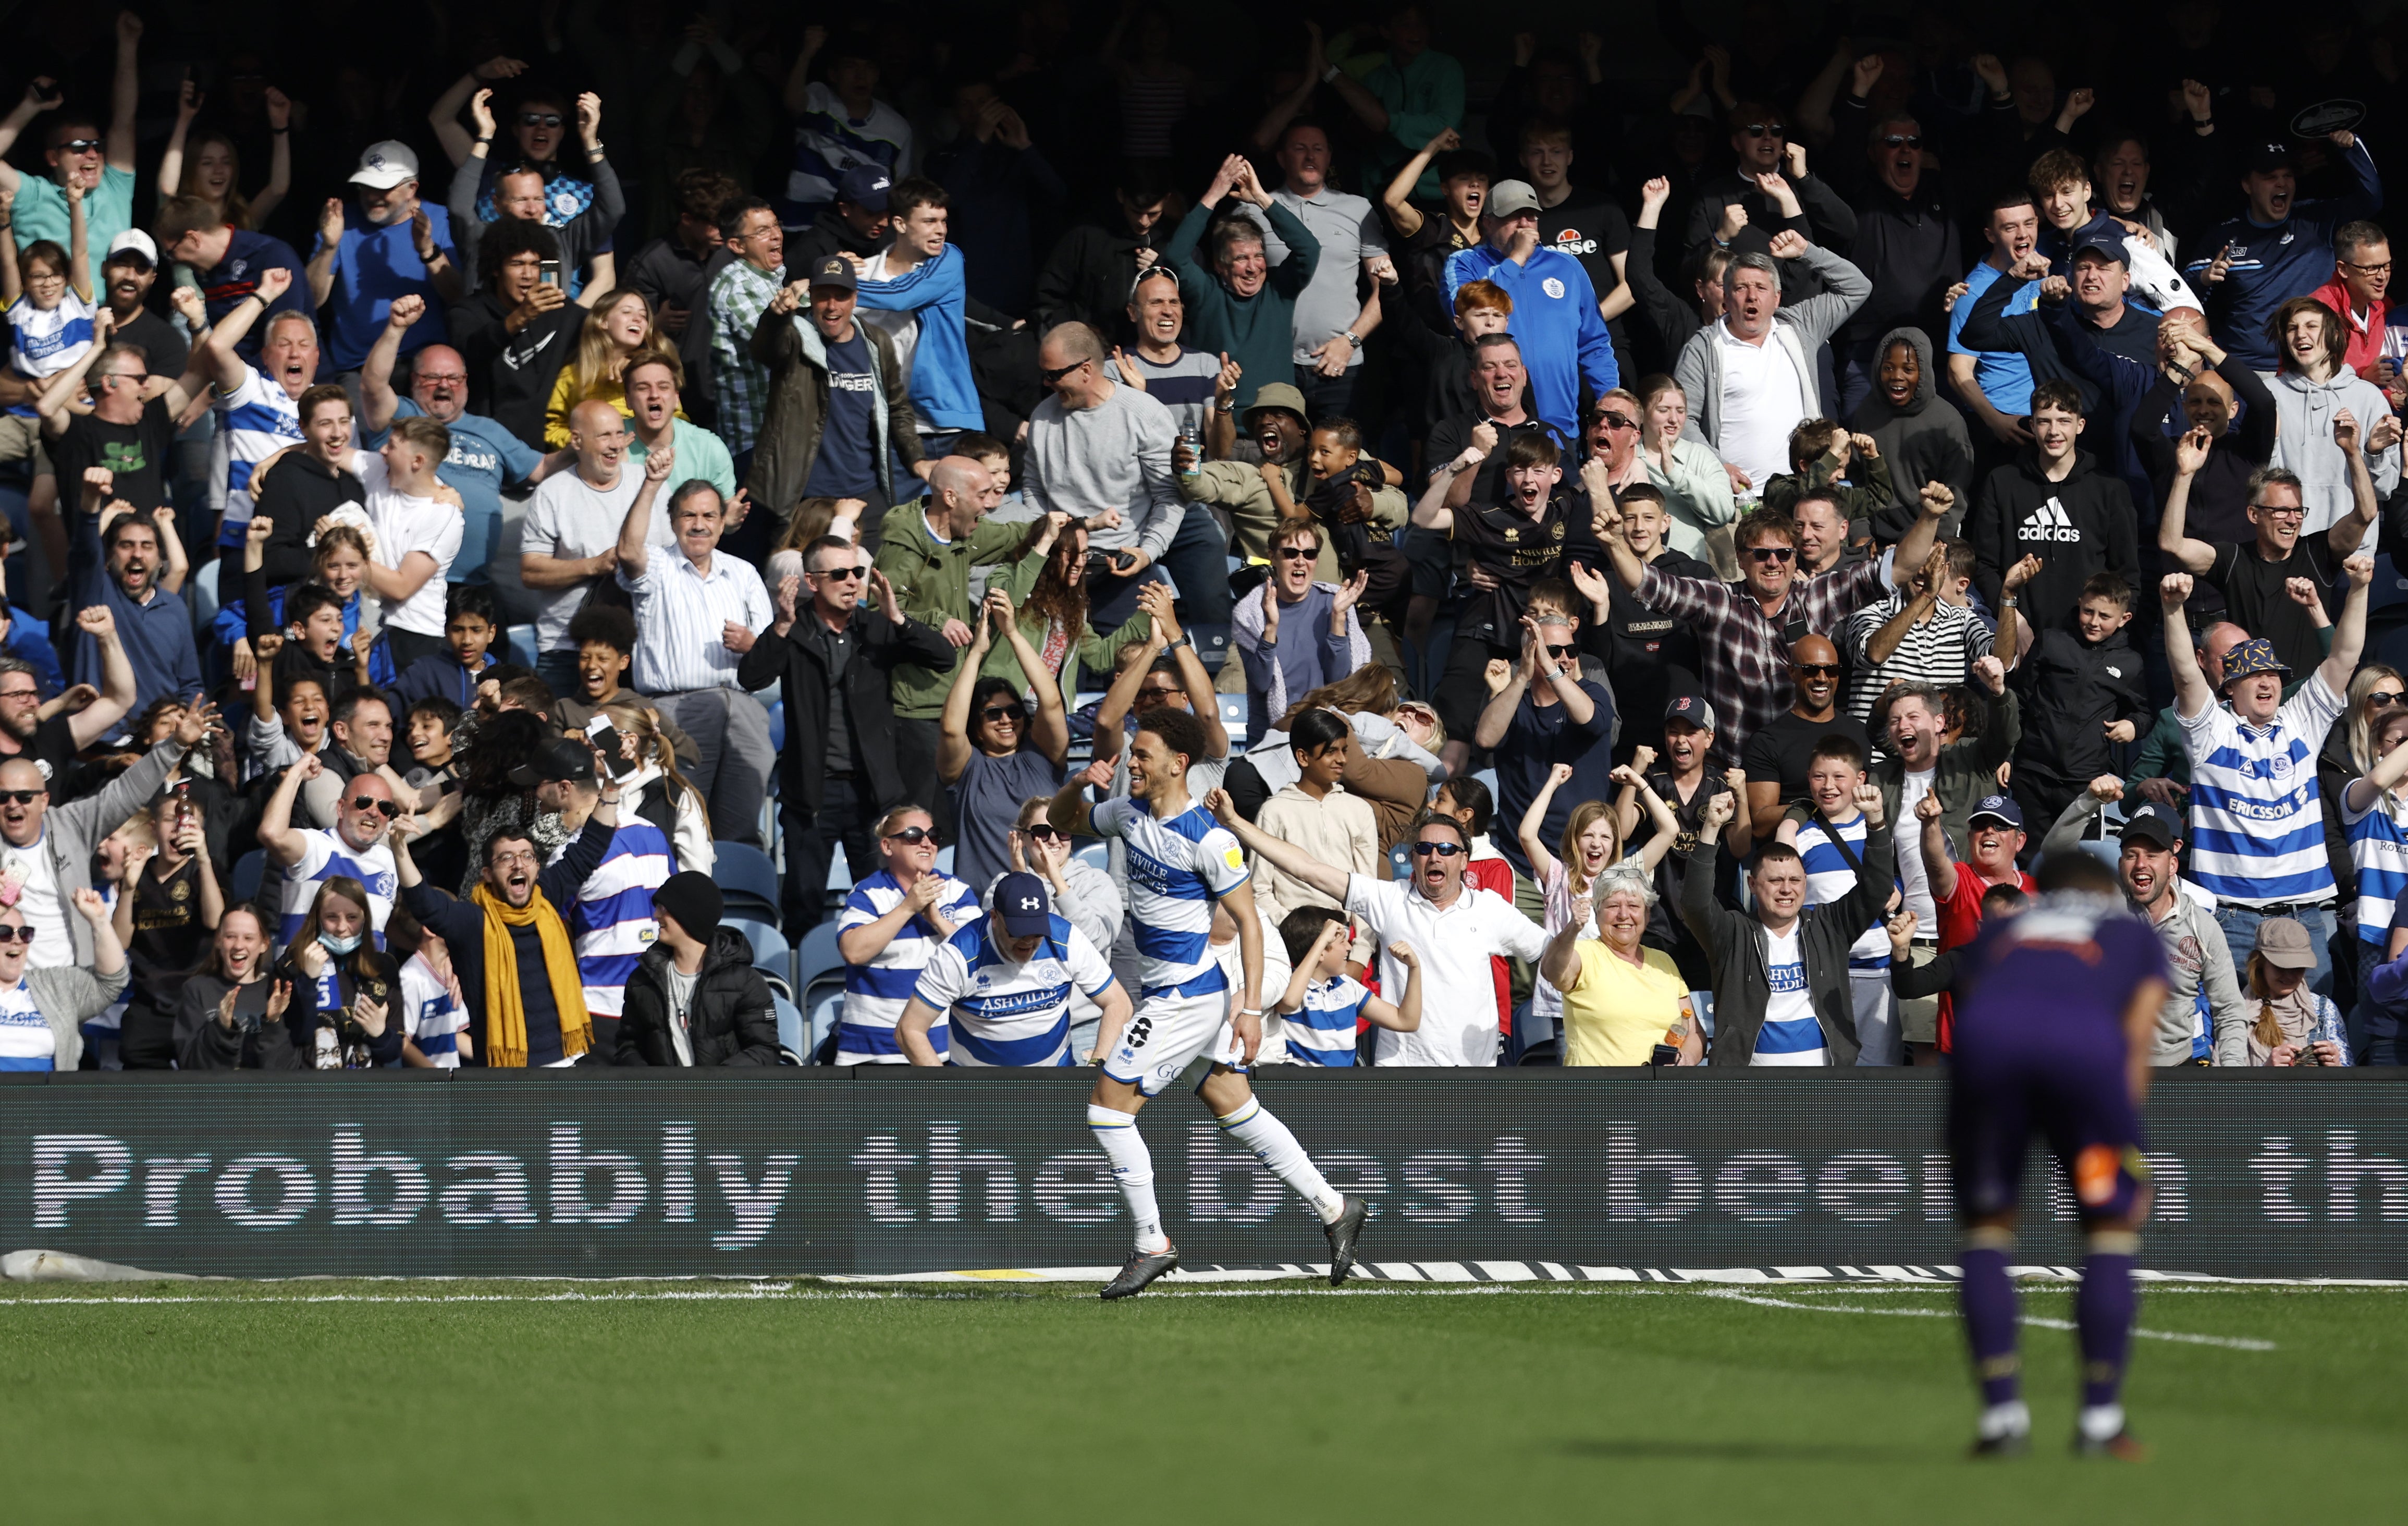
x: 1212, y: 643
x: 818, y: 956
x: 522, y: 645
x: 792, y: 1042
x: 201, y: 593
x: 770, y: 955
x: 748, y: 880
x: 480, y: 530
x: 249, y: 871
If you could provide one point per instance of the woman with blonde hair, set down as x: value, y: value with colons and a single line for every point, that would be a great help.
x: 1591, y: 845
x: 688, y: 826
x: 619, y: 332
x: 207, y: 164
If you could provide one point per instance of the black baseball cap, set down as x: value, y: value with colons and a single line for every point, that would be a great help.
x: 563, y: 762
x: 2154, y: 823
x: 2266, y: 156
x: 1021, y: 905
x: 2103, y: 246
x: 834, y: 270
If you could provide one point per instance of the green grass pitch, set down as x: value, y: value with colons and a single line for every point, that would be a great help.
x: 367, y: 1402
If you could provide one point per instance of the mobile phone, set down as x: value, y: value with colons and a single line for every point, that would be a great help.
x: 1664, y: 1054
x: 605, y: 737
x: 548, y: 272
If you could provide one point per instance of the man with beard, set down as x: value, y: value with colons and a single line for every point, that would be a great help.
x: 116, y: 566
x: 484, y: 455
x: 510, y: 947
x: 52, y: 741
x: 404, y: 250
x: 1906, y: 239
x: 1778, y: 756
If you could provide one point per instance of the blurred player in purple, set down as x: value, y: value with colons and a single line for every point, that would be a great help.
x: 2052, y: 1034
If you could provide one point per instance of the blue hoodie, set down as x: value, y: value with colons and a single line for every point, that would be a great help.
x: 942, y: 389
x: 2271, y: 264
x: 1563, y: 339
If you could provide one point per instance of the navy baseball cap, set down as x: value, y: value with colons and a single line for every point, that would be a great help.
x: 2154, y: 823
x: 1998, y: 808
x: 834, y: 270
x: 866, y: 187
x: 1020, y: 906
x: 1689, y: 708
x: 2266, y: 157
x: 2105, y: 246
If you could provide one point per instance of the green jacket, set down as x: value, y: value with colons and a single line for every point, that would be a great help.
x: 932, y: 577
x: 1091, y: 656
x: 1258, y: 331
x: 1871, y: 495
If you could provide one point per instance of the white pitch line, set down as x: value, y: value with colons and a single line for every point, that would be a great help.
x: 2230, y: 1343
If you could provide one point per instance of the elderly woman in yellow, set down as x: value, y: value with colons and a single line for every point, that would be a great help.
x: 1621, y: 1000
x: 619, y: 331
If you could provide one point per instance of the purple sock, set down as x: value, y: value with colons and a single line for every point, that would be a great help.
x: 2104, y: 1312
x: 1988, y: 1299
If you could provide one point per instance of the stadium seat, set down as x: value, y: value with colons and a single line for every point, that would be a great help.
x: 1099, y: 855
x: 2390, y: 587
x: 1212, y: 643
x: 770, y: 955
x: 1489, y: 777
x: 777, y: 729
x: 945, y: 859
x: 818, y: 954
x: 748, y: 881
x: 201, y: 592
x: 825, y: 1004
x: 1235, y: 715
x: 1400, y: 863
x: 2390, y: 647
x: 522, y: 645
x: 793, y: 1044
x: 249, y: 871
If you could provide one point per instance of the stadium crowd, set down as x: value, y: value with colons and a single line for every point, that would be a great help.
x: 1638, y: 536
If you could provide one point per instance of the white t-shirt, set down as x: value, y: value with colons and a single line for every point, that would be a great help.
x: 1912, y: 878
x: 37, y: 896
x: 571, y: 519
x: 1790, y: 1035
x: 404, y: 523
x: 1761, y: 403
x: 902, y: 329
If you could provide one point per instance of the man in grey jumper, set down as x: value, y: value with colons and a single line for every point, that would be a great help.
x: 1097, y: 444
x: 1750, y: 375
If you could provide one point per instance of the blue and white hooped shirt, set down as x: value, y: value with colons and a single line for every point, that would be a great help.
x: 1003, y: 1014
x: 1321, y: 1032
x: 874, y: 993
x: 1176, y: 869
x: 27, y: 1041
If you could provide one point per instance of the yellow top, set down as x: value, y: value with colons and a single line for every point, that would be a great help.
x: 1619, y: 1011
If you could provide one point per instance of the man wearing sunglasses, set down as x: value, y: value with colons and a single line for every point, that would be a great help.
x: 1768, y: 154
x: 75, y: 151
x: 832, y: 662
x: 356, y: 844
x: 1907, y: 242
x: 529, y: 185
x: 48, y: 850
x: 1095, y: 446
x: 1780, y: 752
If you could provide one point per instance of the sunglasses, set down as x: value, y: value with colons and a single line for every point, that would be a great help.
x: 1297, y: 554
x: 1772, y: 553
x: 16, y: 935
x: 1058, y: 372
x: 21, y: 796
x: 82, y: 144
x: 1765, y: 129
x: 1615, y: 421
x: 1153, y: 697
x: 1901, y: 140
x: 1044, y: 832
x: 842, y: 574
x: 1014, y: 713
x: 913, y: 835
x: 540, y: 118
x: 1559, y: 652
x: 1444, y: 850
x: 1816, y: 669
x: 370, y: 802
x: 2382, y: 697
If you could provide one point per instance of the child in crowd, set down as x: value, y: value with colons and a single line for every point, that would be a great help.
x: 1323, y: 1006
x: 46, y: 292
x: 1832, y: 844
x: 2083, y: 697
x: 1824, y: 456
x: 432, y: 1014
x: 469, y: 626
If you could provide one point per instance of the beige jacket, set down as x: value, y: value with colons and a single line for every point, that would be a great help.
x: 1341, y: 831
x: 1238, y: 486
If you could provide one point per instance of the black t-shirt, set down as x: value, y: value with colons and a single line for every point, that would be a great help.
x: 52, y: 750
x: 163, y: 350
x: 168, y: 937
x: 1448, y: 437
x: 2255, y: 599
x: 511, y: 376
x: 1517, y: 551
x: 1591, y: 232
x: 137, y: 452
x: 1785, y: 749
x: 1665, y: 928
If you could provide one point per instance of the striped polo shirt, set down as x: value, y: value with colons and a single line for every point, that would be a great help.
x: 1004, y: 1013
x: 1321, y: 1032
x: 612, y: 920
x: 2378, y: 850
x: 255, y: 420
x: 1829, y: 877
x: 326, y: 856
x: 2257, y: 818
x: 874, y: 993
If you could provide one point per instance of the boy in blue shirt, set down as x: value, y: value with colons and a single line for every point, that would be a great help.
x: 1319, y: 1010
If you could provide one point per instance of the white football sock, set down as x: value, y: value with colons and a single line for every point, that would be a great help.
x: 1133, y: 1168
x: 1252, y: 1126
x: 2010, y: 1419
x: 2101, y: 1422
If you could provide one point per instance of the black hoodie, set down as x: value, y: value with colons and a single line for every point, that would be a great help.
x: 2081, y: 526
x: 1923, y: 441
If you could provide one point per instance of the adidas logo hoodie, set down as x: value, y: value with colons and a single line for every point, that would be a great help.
x: 2081, y: 526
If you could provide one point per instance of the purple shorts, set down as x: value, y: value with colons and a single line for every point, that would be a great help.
x: 2071, y: 1088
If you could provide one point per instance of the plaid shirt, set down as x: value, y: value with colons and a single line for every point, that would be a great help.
x: 738, y: 295
x: 1745, y: 650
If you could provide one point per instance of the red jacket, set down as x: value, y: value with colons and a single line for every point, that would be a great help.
x: 1496, y: 873
x: 2365, y: 336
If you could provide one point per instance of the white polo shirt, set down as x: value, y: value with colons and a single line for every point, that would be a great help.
x: 1453, y: 945
x: 1760, y: 403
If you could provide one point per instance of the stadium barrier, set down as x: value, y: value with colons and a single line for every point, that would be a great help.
x: 887, y: 1171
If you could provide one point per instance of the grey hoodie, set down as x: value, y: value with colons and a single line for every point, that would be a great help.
x: 2303, y: 440
x: 1923, y: 442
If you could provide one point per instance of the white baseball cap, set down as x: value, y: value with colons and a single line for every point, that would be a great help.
x: 132, y: 241
x: 385, y: 166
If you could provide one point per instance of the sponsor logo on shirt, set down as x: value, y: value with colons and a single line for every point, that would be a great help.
x: 852, y: 381
x: 1570, y: 242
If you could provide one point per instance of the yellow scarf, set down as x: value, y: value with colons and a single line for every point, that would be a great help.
x: 506, y: 1035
